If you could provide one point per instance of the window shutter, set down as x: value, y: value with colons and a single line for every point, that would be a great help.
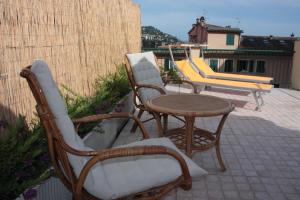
x: 230, y: 39
x: 214, y: 64
x: 261, y: 68
x: 228, y: 66
x: 166, y: 64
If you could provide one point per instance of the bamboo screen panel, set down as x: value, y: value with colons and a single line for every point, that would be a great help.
x: 79, y: 39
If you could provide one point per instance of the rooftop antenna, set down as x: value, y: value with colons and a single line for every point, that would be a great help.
x: 204, y: 12
x: 205, y: 15
x: 238, y: 22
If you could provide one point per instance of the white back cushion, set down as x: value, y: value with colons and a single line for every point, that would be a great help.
x: 61, y: 117
x: 56, y: 103
x: 145, y: 71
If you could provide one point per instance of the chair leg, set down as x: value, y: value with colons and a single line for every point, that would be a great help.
x: 157, y: 118
x: 135, y: 125
x: 261, y: 99
x: 200, y: 88
x: 165, y: 121
x: 76, y: 197
x: 256, y: 97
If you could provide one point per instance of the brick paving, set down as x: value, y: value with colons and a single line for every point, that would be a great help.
x: 261, y: 150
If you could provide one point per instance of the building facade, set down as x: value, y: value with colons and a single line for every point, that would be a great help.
x: 216, y: 36
x: 229, y: 51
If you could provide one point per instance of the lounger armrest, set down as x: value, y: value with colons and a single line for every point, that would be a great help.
x: 94, y: 118
x: 133, y: 151
x: 150, y: 86
x: 182, y: 81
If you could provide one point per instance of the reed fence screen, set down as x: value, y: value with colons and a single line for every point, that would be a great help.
x: 79, y: 39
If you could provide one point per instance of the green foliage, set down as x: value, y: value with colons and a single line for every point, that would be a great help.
x: 113, y: 86
x: 109, y: 90
x: 158, y: 37
x: 24, y: 159
x: 172, y: 74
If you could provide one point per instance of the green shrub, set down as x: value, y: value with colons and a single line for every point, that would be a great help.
x: 172, y: 74
x: 24, y: 159
x: 109, y: 90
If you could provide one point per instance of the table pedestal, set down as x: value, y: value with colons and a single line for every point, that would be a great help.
x: 191, y: 139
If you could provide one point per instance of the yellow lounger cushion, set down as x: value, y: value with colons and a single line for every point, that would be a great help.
x: 185, y: 68
x: 202, y: 66
x: 209, y: 73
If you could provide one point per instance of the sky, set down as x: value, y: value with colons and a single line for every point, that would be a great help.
x: 254, y: 17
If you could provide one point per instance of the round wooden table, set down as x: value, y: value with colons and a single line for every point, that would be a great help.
x: 190, y: 106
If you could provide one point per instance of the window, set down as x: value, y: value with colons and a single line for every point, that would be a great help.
x: 230, y: 39
x: 167, y: 64
x: 266, y: 41
x: 242, y: 66
x: 282, y: 42
x: 261, y: 68
x: 213, y: 63
x: 228, y: 66
x: 251, y: 66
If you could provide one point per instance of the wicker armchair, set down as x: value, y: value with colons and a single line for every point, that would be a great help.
x: 146, y: 82
x: 133, y: 170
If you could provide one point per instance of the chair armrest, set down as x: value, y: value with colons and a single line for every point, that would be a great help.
x: 183, y: 81
x: 93, y: 118
x: 150, y: 86
x: 133, y: 151
x: 140, y: 105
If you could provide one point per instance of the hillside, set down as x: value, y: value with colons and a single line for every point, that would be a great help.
x: 153, y: 37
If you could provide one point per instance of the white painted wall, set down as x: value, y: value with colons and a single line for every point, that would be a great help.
x: 296, y: 67
x: 218, y: 41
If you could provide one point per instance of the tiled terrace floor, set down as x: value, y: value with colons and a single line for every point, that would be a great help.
x: 261, y: 151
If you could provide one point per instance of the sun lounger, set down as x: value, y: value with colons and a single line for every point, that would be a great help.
x: 185, y: 68
x: 207, y: 72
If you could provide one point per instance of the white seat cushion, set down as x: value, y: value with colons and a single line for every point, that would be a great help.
x: 130, y: 175
x: 145, y: 71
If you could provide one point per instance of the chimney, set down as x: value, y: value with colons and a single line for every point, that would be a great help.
x: 198, y: 20
x: 202, y: 21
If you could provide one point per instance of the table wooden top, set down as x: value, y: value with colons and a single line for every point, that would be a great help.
x: 190, y: 105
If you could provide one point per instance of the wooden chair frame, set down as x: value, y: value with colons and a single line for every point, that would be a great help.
x: 136, y: 87
x: 58, y: 149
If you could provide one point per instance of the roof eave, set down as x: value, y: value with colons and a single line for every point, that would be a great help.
x: 249, y: 52
x: 225, y: 31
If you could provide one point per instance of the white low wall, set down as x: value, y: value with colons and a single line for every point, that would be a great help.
x: 296, y: 67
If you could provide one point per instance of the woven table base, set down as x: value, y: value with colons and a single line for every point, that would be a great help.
x: 202, y: 139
